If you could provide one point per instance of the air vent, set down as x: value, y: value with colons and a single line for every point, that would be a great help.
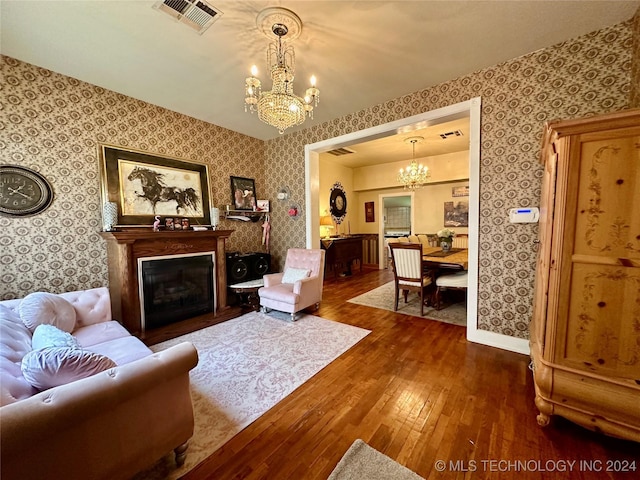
x: 197, y: 14
x: 455, y: 133
x: 341, y: 151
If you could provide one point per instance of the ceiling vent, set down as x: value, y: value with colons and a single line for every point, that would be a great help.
x: 455, y: 133
x: 197, y: 14
x: 338, y: 152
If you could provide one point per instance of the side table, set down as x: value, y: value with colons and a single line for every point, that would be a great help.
x: 248, y: 293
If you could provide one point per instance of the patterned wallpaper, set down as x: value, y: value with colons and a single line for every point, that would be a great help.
x: 584, y: 76
x: 635, y: 64
x: 54, y: 123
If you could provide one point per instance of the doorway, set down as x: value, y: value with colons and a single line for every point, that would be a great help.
x: 398, y: 218
x: 471, y: 109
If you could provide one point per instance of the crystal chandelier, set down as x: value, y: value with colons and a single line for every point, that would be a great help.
x: 280, y: 107
x: 414, y: 176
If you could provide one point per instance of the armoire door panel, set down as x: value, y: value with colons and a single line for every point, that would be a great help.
x: 601, y: 330
x: 607, y: 216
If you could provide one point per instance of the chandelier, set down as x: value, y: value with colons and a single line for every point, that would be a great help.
x: 414, y: 176
x: 280, y: 107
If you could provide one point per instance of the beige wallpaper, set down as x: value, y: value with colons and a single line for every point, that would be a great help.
x: 635, y: 75
x: 53, y: 124
x: 585, y: 76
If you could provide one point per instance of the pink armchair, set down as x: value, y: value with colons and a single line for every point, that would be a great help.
x: 298, y: 286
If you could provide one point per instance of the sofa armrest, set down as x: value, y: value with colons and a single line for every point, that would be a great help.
x: 110, y: 425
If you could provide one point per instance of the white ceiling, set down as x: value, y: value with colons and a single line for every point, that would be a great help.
x: 362, y: 52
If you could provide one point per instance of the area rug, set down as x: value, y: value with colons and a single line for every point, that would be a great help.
x: 363, y: 462
x: 246, y: 366
x: 382, y: 297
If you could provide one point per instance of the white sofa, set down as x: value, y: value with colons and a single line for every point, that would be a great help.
x: 107, y: 426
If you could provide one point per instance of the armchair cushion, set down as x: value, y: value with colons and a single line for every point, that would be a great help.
x: 292, y: 275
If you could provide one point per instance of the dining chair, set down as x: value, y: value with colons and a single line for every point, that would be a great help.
x: 413, y: 239
x: 408, y: 273
x: 424, y: 240
x: 390, y: 260
x: 457, y: 280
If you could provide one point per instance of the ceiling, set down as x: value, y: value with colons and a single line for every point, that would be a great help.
x: 362, y: 52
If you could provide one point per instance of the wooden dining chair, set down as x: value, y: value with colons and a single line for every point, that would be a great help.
x: 457, y: 280
x: 408, y: 273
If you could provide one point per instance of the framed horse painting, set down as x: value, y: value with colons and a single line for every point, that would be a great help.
x: 145, y: 185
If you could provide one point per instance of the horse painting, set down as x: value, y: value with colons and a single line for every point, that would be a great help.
x: 155, y: 190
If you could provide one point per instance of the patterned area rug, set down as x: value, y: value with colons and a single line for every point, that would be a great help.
x: 364, y: 462
x: 382, y: 297
x: 246, y: 366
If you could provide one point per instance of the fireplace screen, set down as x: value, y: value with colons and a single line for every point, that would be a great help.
x: 176, y: 288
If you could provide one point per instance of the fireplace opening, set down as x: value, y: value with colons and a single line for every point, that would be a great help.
x: 175, y: 288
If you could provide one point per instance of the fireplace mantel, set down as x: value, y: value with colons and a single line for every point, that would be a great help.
x: 126, y: 246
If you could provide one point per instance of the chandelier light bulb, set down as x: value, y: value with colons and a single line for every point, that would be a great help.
x: 254, y: 71
x: 313, y: 80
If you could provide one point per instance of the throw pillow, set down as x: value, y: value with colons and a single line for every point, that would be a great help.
x: 292, y: 275
x: 50, y: 367
x: 45, y: 336
x: 41, y: 307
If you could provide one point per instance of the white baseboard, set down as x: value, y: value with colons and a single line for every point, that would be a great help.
x: 505, y: 342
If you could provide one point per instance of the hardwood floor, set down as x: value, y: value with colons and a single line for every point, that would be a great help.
x: 417, y: 391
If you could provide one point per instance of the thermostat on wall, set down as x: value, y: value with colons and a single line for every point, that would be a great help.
x: 524, y: 215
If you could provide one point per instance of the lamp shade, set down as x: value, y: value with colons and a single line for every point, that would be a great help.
x: 326, y: 221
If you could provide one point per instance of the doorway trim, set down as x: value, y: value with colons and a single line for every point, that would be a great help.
x: 381, y: 243
x: 470, y: 108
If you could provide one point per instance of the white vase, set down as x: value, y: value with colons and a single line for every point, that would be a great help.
x: 109, y: 216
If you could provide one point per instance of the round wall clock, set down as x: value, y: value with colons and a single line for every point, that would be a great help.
x: 23, y: 191
x: 338, y: 203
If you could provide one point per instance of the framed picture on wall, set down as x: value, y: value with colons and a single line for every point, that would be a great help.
x: 243, y: 193
x: 460, y: 191
x: 144, y: 185
x: 456, y: 214
x: 369, y: 212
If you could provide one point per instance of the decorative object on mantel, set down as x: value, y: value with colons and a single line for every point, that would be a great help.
x: 446, y: 238
x: 215, y: 218
x: 110, y: 216
x: 414, y: 176
x: 156, y: 224
x: 263, y: 206
x: 144, y: 185
x: 24, y: 192
x: 279, y: 107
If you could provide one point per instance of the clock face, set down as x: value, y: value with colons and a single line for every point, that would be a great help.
x: 23, y: 191
x: 338, y: 203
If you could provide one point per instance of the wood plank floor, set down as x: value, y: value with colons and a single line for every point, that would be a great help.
x: 417, y: 391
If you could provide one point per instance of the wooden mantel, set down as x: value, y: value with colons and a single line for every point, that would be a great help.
x: 126, y: 246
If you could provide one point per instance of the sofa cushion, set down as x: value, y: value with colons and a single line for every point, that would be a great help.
x: 46, y: 308
x: 15, y: 343
x: 122, y: 350
x: 51, y: 336
x: 292, y: 275
x: 99, y: 333
x: 50, y: 367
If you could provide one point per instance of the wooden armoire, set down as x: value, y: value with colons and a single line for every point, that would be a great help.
x: 585, y: 331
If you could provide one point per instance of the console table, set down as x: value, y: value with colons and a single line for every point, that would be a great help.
x: 342, y: 251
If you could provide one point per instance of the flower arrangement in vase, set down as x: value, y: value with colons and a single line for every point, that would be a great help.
x: 446, y: 238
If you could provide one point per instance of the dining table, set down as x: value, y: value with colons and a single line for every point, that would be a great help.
x: 436, y: 258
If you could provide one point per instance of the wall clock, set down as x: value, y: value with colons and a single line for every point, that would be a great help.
x: 338, y: 203
x: 23, y: 191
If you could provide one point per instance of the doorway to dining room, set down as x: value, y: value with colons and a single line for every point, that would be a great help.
x: 397, y: 220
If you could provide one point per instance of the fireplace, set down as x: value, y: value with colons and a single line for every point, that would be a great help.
x: 175, y: 288
x: 126, y: 285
